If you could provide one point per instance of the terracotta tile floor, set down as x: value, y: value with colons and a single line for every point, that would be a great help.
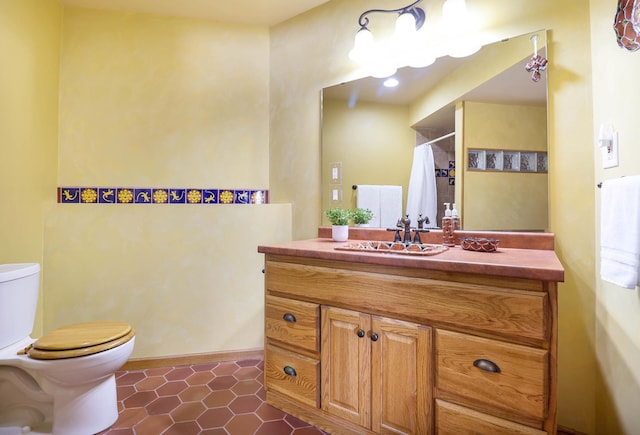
x: 217, y: 398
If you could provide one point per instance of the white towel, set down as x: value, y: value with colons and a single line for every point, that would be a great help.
x: 368, y: 196
x: 620, y: 231
x: 390, y: 205
x: 385, y: 201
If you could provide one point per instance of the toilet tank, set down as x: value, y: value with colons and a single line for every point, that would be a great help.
x: 19, y: 286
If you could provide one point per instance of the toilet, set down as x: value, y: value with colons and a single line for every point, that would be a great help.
x: 64, y: 382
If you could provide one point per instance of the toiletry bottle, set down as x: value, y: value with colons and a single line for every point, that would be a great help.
x: 447, y: 226
x: 455, y: 218
x: 455, y: 224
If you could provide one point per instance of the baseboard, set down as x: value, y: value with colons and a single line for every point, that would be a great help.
x: 196, y: 358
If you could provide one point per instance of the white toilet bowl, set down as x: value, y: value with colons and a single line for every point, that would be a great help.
x: 63, y: 383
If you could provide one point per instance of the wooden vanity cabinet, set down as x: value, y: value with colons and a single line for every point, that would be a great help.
x: 389, y: 349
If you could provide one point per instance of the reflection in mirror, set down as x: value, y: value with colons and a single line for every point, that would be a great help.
x: 485, y: 107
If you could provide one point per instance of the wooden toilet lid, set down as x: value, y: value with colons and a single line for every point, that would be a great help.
x: 81, y: 339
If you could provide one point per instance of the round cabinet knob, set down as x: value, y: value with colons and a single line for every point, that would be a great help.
x: 361, y: 333
x: 288, y: 317
x: 374, y: 336
x: 290, y: 371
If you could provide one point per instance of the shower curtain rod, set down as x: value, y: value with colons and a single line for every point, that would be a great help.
x: 440, y: 138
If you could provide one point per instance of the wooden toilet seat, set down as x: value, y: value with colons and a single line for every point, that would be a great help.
x: 81, y: 339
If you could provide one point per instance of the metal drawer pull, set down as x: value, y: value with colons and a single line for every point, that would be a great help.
x: 374, y: 336
x: 290, y: 371
x: 486, y: 365
x: 361, y: 333
x: 288, y: 317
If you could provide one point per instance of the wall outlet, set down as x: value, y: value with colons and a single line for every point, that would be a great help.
x: 610, y: 153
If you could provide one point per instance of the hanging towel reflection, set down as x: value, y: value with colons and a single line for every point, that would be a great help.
x: 422, y: 196
x: 385, y: 201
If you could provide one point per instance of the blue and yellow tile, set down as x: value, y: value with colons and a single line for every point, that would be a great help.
x: 194, y: 196
x: 177, y: 196
x: 226, y: 196
x: 210, y: 196
x: 142, y: 196
x: 107, y: 195
x: 125, y: 195
x: 89, y: 195
x: 242, y: 197
x: 152, y: 195
x: 160, y: 196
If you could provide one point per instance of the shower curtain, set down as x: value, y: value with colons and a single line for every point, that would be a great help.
x: 422, y: 194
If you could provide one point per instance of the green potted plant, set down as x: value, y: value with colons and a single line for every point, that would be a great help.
x: 339, y: 218
x: 361, y: 217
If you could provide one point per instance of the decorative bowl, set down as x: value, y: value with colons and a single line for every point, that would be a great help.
x: 479, y: 244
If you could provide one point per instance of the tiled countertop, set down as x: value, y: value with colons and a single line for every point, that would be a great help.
x: 516, y: 262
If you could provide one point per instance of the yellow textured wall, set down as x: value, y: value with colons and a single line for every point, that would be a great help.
x: 310, y: 52
x: 503, y: 199
x: 492, y: 60
x: 374, y: 143
x: 30, y: 33
x: 155, y: 101
x: 615, y: 86
x: 187, y: 277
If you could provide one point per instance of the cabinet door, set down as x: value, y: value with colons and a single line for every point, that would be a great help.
x: 345, y: 364
x: 401, y: 381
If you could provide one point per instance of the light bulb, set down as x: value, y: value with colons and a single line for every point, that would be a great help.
x: 453, y: 11
x: 405, y: 28
x: 382, y: 70
x: 363, y: 47
x: 421, y: 60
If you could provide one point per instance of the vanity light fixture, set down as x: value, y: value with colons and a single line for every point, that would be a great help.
x: 409, y: 45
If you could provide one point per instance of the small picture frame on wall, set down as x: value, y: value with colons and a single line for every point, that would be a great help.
x: 511, y: 161
x: 493, y: 160
x: 476, y: 160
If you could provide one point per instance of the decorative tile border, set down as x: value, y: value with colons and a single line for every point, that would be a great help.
x: 149, y: 195
x: 449, y: 172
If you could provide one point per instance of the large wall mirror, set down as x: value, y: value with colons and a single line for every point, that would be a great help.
x: 484, y: 118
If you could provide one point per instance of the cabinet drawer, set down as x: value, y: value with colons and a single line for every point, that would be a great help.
x: 457, y: 420
x: 511, y: 313
x: 520, y: 387
x: 293, y: 322
x: 293, y: 375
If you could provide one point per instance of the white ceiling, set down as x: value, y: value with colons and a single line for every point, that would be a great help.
x: 257, y: 12
x: 512, y: 86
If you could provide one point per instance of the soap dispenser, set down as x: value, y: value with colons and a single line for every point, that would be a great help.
x: 455, y: 218
x: 447, y: 226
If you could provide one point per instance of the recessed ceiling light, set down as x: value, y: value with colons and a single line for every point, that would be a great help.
x: 391, y: 82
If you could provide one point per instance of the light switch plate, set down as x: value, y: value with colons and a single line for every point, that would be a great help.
x: 336, y: 173
x: 610, y: 153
